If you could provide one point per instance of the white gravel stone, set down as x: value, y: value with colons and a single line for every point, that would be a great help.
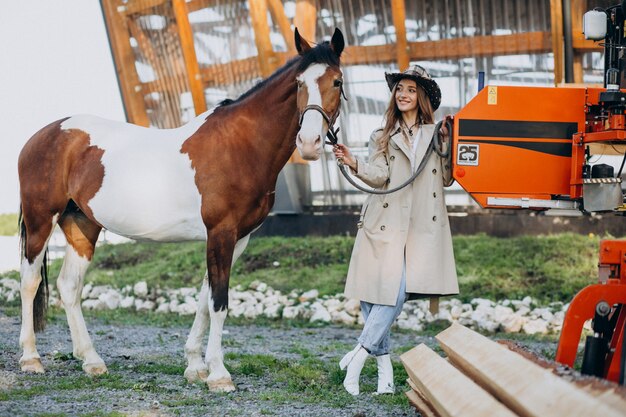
x: 320, y: 314
x: 94, y: 305
x: 140, y: 289
x: 353, y: 307
x: 309, y: 295
x: 98, y: 290
x: 342, y: 317
x: 535, y: 326
x: 272, y: 311
x: 127, y: 302
x: 291, y: 312
x: 111, y: 298
x: 10, y: 283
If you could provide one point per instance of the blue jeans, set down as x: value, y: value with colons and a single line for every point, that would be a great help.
x: 378, y: 321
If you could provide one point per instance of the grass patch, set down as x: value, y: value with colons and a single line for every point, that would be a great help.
x: 548, y: 268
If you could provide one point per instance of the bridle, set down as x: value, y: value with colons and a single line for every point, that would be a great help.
x: 330, y: 119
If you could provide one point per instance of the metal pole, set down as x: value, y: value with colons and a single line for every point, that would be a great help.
x: 567, y: 41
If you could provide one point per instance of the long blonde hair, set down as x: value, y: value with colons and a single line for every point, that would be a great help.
x: 425, y: 115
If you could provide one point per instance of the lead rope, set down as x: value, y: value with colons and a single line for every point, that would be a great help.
x: 434, y: 145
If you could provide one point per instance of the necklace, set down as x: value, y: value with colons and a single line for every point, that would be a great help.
x: 410, y: 129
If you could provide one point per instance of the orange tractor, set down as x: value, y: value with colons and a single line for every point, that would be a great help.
x: 531, y: 147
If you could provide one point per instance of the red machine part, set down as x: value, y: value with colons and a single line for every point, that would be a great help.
x: 526, y: 147
x: 583, y: 306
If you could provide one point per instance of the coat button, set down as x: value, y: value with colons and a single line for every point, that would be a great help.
x: 435, y: 195
x: 434, y: 170
x: 382, y: 227
x: 385, y: 205
x: 434, y: 218
x: 392, y: 157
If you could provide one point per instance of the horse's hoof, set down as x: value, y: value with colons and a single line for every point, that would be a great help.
x: 94, y: 369
x: 196, y: 374
x: 32, y: 366
x: 221, y: 385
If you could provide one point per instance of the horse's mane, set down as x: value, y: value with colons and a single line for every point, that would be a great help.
x: 321, y: 54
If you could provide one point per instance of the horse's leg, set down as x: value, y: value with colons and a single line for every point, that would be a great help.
x: 36, y: 229
x: 81, y: 234
x: 220, y: 251
x: 197, y: 369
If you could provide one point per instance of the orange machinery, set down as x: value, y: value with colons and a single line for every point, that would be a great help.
x: 532, y: 147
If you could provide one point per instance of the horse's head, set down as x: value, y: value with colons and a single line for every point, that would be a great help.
x: 320, y: 83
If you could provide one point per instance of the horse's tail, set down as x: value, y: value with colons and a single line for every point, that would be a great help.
x: 40, y: 304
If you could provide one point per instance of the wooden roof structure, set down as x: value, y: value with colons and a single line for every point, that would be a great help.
x: 168, y: 45
x: 177, y: 58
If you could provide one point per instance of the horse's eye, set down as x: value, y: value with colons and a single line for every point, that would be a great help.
x: 338, y: 83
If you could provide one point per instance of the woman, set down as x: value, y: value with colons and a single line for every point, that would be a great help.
x: 403, y: 247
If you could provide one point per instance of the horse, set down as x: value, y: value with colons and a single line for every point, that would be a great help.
x: 211, y: 180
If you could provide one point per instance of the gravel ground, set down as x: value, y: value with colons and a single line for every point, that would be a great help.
x: 146, y: 364
x: 126, y: 349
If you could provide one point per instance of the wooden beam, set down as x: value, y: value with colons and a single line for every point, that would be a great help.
x: 185, y: 35
x: 124, y: 58
x: 556, y: 22
x: 139, y: 6
x: 195, y: 5
x: 524, y: 387
x: 278, y: 16
x: 258, y: 15
x: 449, y: 391
x: 419, y: 401
x: 398, y: 12
x: 306, y: 19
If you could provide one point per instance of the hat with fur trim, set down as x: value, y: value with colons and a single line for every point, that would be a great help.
x: 421, y: 78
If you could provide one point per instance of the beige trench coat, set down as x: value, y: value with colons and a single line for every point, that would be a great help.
x: 413, y: 219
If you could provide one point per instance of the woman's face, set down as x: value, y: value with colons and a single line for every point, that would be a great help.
x: 406, y: 95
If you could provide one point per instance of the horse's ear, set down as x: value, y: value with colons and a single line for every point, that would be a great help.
x: 301, y: 45
x: 337, y: 42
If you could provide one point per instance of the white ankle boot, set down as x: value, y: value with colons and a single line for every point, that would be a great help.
x: 385, y: 375
x: 343, y: 363
x: 355, y: 365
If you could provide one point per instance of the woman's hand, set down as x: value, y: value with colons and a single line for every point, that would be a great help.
x: 344, y: 156
x: 443, y: 132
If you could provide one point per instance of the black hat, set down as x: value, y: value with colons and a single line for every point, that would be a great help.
x: 421, y: 78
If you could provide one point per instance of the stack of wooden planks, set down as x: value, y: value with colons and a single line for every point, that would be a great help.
x: 484, y: 378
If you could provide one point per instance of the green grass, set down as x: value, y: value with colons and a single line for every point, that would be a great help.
x: 548, y: 268
x: 8, y: 225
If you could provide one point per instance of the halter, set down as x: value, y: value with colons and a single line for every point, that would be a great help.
x: 330, y: 120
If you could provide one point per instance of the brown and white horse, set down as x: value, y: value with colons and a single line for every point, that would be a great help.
x: 212, y: 179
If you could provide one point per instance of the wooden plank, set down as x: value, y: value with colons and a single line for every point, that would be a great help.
x: 606, y: 391
x: 419, y: 400
x: 306, y: 19
x: 192, y: 68
x: 418, y: 404
x: 556, y: 23
x: 124, y: 58
x: 195, y: 5
x: 278, y: 16
x: 535, y: 42
x: 523, y: 386
x: 258, y: 15
x: 139, y: 6
x: 449, y: 391
x: 398, y: 12
x: 170, y: 77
